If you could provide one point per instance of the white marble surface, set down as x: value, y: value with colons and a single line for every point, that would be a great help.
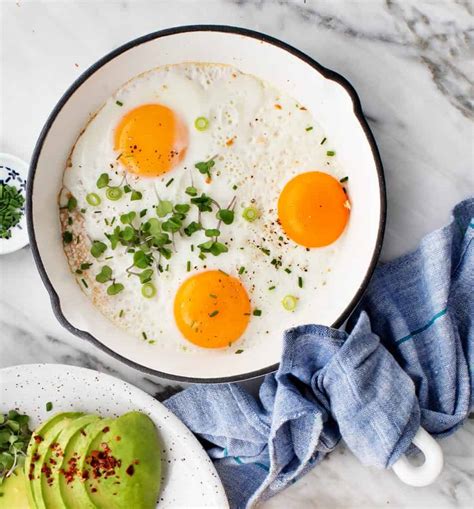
x: 412, y: 64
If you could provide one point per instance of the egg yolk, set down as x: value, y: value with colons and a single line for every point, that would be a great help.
x: 212, y: 309
x: 151, y: 140
x: 312, y: 209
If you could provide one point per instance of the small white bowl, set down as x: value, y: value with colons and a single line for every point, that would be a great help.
x: 325, y: 93
x: 14, y: 172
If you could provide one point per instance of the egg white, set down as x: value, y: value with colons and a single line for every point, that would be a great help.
x: 262, y: 138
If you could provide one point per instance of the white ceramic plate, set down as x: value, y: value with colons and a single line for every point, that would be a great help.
x: 336, y: 106
x: 189, y: 479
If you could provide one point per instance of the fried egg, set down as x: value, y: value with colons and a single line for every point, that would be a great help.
x: 173, y: 135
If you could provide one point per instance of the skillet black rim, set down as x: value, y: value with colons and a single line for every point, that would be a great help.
x: 327, y: 73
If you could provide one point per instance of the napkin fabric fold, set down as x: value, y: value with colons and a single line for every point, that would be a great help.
x: 406, y: 359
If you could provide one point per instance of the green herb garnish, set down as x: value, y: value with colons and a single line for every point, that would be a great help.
x: 11, y: 203
x: 201, y: 123
x: 213, y: 314
x: 103, y: 181
x: 14, y: 438
x: 98, y: 248
x: 257, y: 312
x: 323, y: 141
x: 119, y: 103
x: 115, y: 288
x: 93, y: 199
x: 49, y: 406
x: 148, y: 290
x: 250, y: 214
x: 67, y: 237
x: 204, y: 167
x: 71, y: 203
x: 344, y: 179
x: 300, y: 282
x: 104, y: 275
x: 330, y: 153
x: 170, y: 181
x: 310, y: 128
x: 226, y: 216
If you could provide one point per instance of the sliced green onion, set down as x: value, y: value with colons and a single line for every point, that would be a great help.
x: 289, y: 302
x: 201, y: 123
x: 250, y: 214
x: 93, y: 199
x: 114, y: 193
x: 148, y: 290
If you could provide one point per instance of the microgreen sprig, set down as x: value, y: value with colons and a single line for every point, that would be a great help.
x: 14, y: 438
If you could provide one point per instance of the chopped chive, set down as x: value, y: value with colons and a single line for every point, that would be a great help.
x: 212, y: 296
x: 310, y: 128
x: 151, y: 342
x: 213, y: 314
x: 192, y: 247
x: 108, y: 258
x: 344, y: 179
x: 257, y: 312
x: 78, y: 271
x: 106, y: 221
x: 235, y: 187
x: 238, y: 351
x: 202, y: 256
x: 144, y: 335
x: 330, y: 153
x: 201, y: 123
x: 265, y: 250
x: 114, y: 193
x: 300, y: 282
x: 241, y: 270
x: 288, y: 271
x: 148, y: 290
x: 289, y: 302
x: 188, y: 266
x: 49, y: 406
x: 250, y: 214
x: 167, y: 267
x: 121, y: 313
x: 84, y: 282
x: 225, y: 273
x: 119, y: 103
x: 143, y: 213
x: 323, y: 141
x: 83, y: 211
x: 271, y: 287
x: 170, y: 181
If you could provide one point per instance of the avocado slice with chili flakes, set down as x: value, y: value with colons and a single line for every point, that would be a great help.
x: 127, y: 462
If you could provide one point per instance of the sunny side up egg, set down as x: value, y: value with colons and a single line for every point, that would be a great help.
x: 200, y: 207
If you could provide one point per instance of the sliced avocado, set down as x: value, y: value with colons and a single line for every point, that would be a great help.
x: 50, y: 485
x: 40, y: 442
x: 73, y: 493
x: 13, y: 491
x: 130, y: 464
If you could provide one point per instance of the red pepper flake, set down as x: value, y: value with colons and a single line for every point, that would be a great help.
x: 106, y: 429
x: 53, y: 461
x: 102, y: 463
x: 38, y: 439
x: 130, y: 470
x: 35, y: 458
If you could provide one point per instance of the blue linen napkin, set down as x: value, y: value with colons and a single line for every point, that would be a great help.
x: 407, y: 358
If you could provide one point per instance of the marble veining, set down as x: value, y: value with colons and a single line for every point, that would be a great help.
x: 411, y: 62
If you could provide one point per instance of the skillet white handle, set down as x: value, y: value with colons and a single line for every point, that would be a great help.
x: 424, y: 474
